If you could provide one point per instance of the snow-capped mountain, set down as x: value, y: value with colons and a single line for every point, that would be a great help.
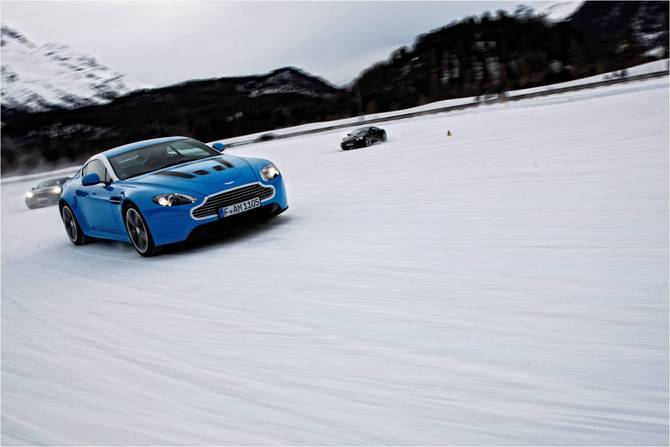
x: 285, y: 80
x: 289, y: 80
x: 561, y: 10
x: 42, y: 77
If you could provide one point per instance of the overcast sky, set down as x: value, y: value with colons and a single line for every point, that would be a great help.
x: 161, y: 43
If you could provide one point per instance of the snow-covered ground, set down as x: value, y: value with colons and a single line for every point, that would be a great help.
x: 506, y: 285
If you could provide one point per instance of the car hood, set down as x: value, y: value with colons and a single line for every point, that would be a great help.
x: 205, y: 176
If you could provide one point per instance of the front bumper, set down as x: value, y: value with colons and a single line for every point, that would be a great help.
x: 355, y: 144
x: 220, y: 226
x: 41, y: 200
x: 171, y: 225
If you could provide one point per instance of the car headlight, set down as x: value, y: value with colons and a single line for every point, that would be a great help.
x: 56, y: 189
x: 173, y: 199
x: 269, y: 172
x: 30, y: 194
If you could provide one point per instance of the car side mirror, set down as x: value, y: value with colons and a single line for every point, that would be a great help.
x: 90, y: 179
x: 219, y: 147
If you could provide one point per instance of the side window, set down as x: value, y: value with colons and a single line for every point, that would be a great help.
x: 96, y: 167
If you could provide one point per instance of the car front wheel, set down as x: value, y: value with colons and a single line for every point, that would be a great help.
x: 138, y: 233
x: 72, y: 228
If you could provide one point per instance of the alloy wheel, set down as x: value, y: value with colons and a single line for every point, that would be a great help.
x: 70, y: 224
x: 136, y: 230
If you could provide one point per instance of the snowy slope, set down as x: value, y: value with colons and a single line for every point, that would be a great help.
x: 52, y: 75
x: 507, y: 285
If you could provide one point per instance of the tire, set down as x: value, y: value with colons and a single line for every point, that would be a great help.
x: 72, y: 228
x: 383, y: 135
x: 138, y: 232
x: 367, y: 141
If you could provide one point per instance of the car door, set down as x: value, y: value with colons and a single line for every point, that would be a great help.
x: 96, y: 200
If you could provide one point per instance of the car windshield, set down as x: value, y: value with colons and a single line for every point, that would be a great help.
x: 52, y: 182
x: 359, y: 131
x: 158, y: 156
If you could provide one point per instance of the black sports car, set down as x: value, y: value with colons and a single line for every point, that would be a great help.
x: 45, y: 193
x: 363, y: 137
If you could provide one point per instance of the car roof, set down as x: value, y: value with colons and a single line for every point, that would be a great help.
x: 139, y: 144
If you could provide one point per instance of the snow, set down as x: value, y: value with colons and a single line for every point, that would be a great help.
x: 557, y: 11
x: 656, y: 52
x: 506, y: 285
x: 646, y: 68
x: 53, y: 75
x: 352, y: 120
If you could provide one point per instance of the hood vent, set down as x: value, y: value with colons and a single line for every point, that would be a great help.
x: 218, y: 168
x: 226, y: 163
x: 175, y: 174
x: 201, y: 172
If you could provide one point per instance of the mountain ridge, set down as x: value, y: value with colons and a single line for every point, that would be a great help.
x: 248, y: 83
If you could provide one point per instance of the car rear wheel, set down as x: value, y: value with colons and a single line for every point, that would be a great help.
x: 72, y: 228
x: 383, y: 135
x: 139, y: 234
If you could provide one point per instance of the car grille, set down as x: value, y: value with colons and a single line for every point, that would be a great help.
x: 230, y: 197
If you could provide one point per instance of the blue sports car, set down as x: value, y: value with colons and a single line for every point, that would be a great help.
x: 162, y: 191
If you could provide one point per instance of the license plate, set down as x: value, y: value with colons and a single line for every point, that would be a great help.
x: 239, y: 207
